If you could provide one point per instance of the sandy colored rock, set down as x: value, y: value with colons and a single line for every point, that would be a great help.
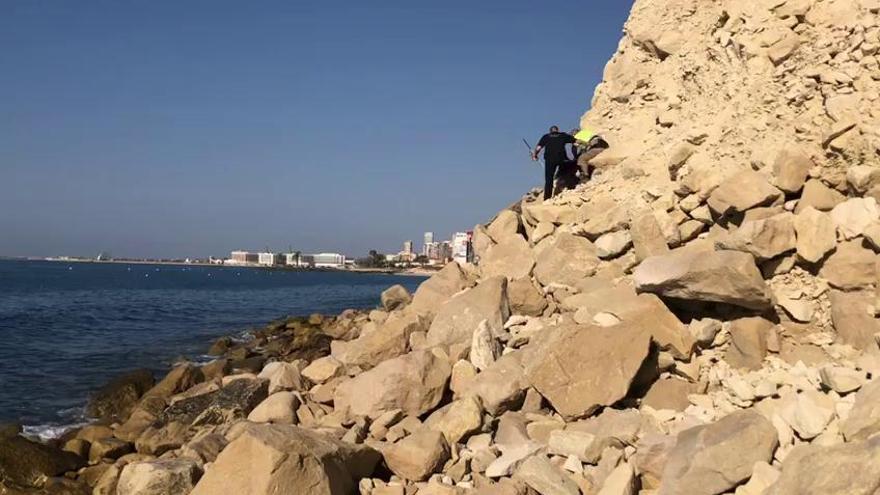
x: 714, y: 458
x: 748, y: 342
x: 500, y: 387
x: 462, y: 418
x: 613, y: 244
x: 791, y: 166
x: 277, y: 408
x: 816, y: 234
x: 819, y: 196
x: 545, y: 478
x: 851, y: 318
x: 742, y: 191
x: 855, y: 215
x: 485, y: 348
x: 851, y: 266
x: 266, y: 459
x: 511, y: 258
x: 417, y: 456
x: 841, y: 379
x: 438, y: 289
x: 118, y: 397
x: 585, y: 446
x: 323, y: 369
x: 525, y: 299
x: 505, y: 225
x: 581, y: 368
x: 720, y: 276
x: 764, y: 238
x: 283, y: 376
x: 414, y: 382
x: 864, y: 418
x: 457, y: 320
x: 159, y: 477
x: 395, y: 297
x: 568, y: 260
x: 669, y: 393
x: 379, y: 343
x: 816, y: 470
x: 621, y: 481
x: 647, y: 237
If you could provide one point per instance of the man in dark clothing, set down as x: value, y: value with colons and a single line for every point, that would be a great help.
x: 555, y: 155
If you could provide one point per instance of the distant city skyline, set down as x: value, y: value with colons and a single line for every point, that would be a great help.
x: 182, y: 129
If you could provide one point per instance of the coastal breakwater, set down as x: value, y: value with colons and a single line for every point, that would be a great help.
x: 700, y: 318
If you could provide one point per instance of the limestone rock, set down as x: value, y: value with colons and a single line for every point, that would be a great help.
x: 525, y: 299
x: 581, y: 368
x: 568, y: 260
x: 511, y: 258
x: 323, y: 369
x: 819, y: 196
x: 742, y: 191
x: 851, y: 266
x: 381, y: 342
x: 505, y: 225
x: 286, y: 459
x: 462, y: 418
x: 816, y: 470
x: 556, y: 214
x: 457, y: 319
x: 842, y: 380
x: 720, y: 276
x: 807, y: 413
x: 714, y: 458
x: 765, y: 238
x: 395, y: 297
x: 669, y: 393
x: 621, y: 481
x: 417, y: 456
x: 613, y: 244
x: 277, y: 408
x: 438, y: 289
x: 569, y: 442
x: 159, y: 477
x: 791, y: 166
x: 647, y: 237
x: 864, y: 418
x: 485, y: 348
x: 862, y: 178
x: 816, y: 234
x: 501, y: 386
x: 748, y: 342
x: 852, y: 322
x: 283, y: 376
x: 545, y: 478
x: 855, y: 215
x: 234, y: 401
x: 414, y: 382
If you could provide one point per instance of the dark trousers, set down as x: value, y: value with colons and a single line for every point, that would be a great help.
x: 549, y: 176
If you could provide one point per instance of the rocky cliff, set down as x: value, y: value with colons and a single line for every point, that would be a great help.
x: 700, y: 318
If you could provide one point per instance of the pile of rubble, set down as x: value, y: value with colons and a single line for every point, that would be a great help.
x: 701, y: 318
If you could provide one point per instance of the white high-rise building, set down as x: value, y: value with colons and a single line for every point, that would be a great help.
x: 429, y: 239
x: 408, y: 247
x: 461, y: 247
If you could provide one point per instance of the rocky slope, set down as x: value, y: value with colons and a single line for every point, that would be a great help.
x: 701, y: 318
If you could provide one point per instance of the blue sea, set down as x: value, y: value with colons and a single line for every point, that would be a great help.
x: 67, y: 328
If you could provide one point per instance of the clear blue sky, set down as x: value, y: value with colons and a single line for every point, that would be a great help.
x: 190, y: 128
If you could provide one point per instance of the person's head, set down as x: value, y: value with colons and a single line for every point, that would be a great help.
x: 554, y: 128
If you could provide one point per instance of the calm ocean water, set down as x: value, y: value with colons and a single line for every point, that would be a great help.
x: 65, y: 328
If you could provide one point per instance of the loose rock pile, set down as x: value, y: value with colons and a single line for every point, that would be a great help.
x: 701, y: 318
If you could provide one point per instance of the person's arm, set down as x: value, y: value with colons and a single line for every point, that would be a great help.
x: 539, y: 147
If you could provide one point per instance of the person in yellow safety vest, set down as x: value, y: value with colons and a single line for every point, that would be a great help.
x: 588, y: 145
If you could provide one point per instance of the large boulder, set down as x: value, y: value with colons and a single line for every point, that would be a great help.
x: 234, y: 401
x: 845, y: 469
x: 435, y: 291
x: 414, y: 382
x: 266, y: 459
x: 500, y: 387
x: 567, y: 260
x: 511, y: 258
x: 579, y: 369
x: 644, y: 311
x: 818, y: 196
x: 851, y: 266
x: 117, y: 398
x: 378, y: 343
x: 505, y: 225
x: 28, y: 464
x: 647, y: 236
x: 863, y: 421
x: 764, y: 238
x: 525, y: 299
x: 395, y: 297
x: 457, y: 319
x: 748, y: 342
x: 855, y: 215
x: 729, y: 277
x: 791, y: 167
x: 816, y: 234
x: 159, y: 477
x: 417, y: 456
x: 715, y: 458
x: 179, y: 379
x: 851, y: 314
x: 742, y: 191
